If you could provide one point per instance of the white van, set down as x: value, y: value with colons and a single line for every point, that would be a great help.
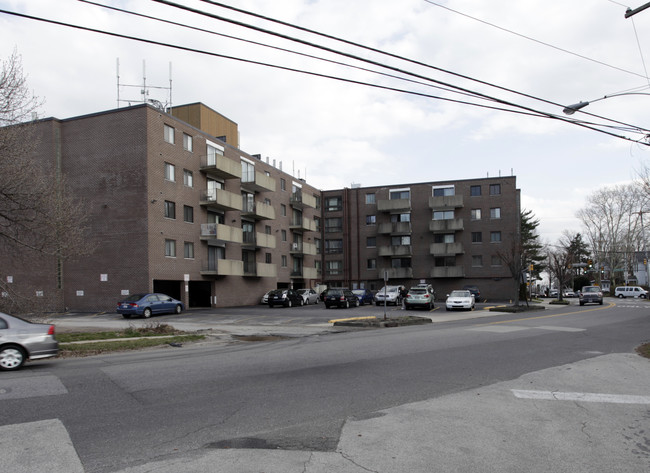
x: 630, y: 291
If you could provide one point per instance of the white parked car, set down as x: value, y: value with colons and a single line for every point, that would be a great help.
x: 389, y: 294
x: 630, y: 291
x: 265, y: 297
x: 309, y: 295
x: 460, y: 300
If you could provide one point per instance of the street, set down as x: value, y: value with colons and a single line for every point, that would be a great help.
x: 462, y: 394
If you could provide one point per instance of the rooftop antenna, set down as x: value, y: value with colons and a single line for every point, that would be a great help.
x: 145, y: 90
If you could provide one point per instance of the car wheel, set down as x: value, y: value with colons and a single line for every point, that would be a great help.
x: 447, y: 308
x: 377, y: 304
x: 582, y: 303
x: 301, y: 302
x: 146, y: 313
x: 601, y: 302
x: 642, y: 296
x: 289, y: 303
x: 357, y: 305
x: 178, y: 309
x: 316, y: 301
x: 12, y: 357
x: 621, y: 296
x: 126, y: 316
x: 347, y: 304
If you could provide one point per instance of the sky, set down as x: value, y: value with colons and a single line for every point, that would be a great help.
x: 336, y: 133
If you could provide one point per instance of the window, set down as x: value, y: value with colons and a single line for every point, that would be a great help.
x: 187, y: 142
x: 213, y: 150
x: 371, y: 242
x: 170, y: 248
x: 443, y: 238
x: 371, y: 220
x: 495, y: 212
x: 400, y: 240
x: 284, y: 235
x: 247, y: 171
x: 334, y: 267
x: 317, y: 197
x: 169, y: 134
x: 443, y: 214
x: 332, y: 204
x: 333, y: 246
x: 477, y: 260
x: 267, y: 201
x: 283, y: 210
x: 188, y: 178
x: 283, y: 184
x: 284, y: 261
x: 477, y: 237
x: 333, y: 225
x: 318, y: 245
x: 188, y: 214
x: 170, y: 209
x: 443, y: 191
x: 267, y: 229
x: 400, y: 263
x: 372, y: 263
x: 495, y: 261
x: 317, y: 223
x: 370, y: 198
x: 476, y: 214
x: 400, y: 194
x: 267, y: 258
x: 475, y: 191
x: 400, y: 218
x: 170, y: 172
x: 495, y: 189
x: 444, y: 261
x: 495, y: 237
x: 188, y: 250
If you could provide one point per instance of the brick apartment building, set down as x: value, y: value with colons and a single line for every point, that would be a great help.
x: 176, y: 207
x: 448, y: 234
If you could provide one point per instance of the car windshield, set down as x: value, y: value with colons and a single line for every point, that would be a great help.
x: 459, y: 294
x: 589, y: 289
x: 359, y: 292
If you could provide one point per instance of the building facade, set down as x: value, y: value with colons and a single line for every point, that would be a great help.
x: 175, y: 206
x: 449, y: 234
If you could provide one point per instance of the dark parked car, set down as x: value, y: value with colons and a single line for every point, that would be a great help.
x: 285, y: 297
x: 474, y: 290
x: 591, y: 294
x: 341, y: 298
x: 21, y: 340
x: 146, y: 305
x: 365, y: 296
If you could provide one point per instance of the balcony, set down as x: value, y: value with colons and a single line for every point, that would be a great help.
x: 257, y: 211
x: 304, y: 273
x: 397, y: 273
x: 393, y: 205
x: 258, y: 240
x: 395, y: 228
x: 446, y: 249
x: 300, y: 201
x: 446, y: 202
x: 218, y: 231
x: 220, y: 199
x: 220, y: 167
x: 447, y: 272
x: 444, y: 226
x: 302, y: 249
x: 260, y: 270
x: 304, y: 225
x: 395, y: 250
x: 223, y: 267
x: 257, y: 182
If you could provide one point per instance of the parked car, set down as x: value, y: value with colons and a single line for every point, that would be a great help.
x: 568, y: 293
x: 630, y: 291
x: 365, y: 296
x: 322, y: 295
x: 389, y: 294
x: 285, y: 297
x: 146, y: 305
x: 591, y: 294
x: 309, y: 296
x: 341, y: 298
x: 265, y: 297
x: 475, y: 292
x: 419, y: 296
x: 21, y: 340
x: 460, y: 299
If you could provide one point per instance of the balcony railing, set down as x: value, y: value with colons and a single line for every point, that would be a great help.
x: 394, y: 228
x: 221, y: 167
x: 304, y: 224
x: 258, y: 240
x: 445, y: 202
x: 304, y: 273
x: 446, y: 249
x: 397, y: 273
x: 258, y: 211
x: 300, y: 200
x: 395, y: 250
x: 220, y: 199
x: 257, y: 182
x: 218, y: 231
x: 223, y: 267
x: 442, y: 226
x: 303, y: 248
x: 447, y: 272
x: 390, y: 205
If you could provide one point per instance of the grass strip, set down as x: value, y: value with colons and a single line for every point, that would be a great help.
x: 121, y: 345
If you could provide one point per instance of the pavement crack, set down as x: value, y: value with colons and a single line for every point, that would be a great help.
x: 344, y: 456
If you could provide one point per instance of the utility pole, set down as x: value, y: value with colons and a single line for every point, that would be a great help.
x: 629, y: 12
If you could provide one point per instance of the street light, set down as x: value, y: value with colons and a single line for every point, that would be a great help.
x: 571, y: 109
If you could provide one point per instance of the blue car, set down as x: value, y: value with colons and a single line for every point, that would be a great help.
x: 146, y: 305
x: 365, y: 296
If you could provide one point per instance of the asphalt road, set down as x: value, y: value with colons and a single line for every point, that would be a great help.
x: 302, y: 395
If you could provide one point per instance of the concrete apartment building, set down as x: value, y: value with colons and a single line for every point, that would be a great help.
x: 176, y: 207
x: 448, y: 234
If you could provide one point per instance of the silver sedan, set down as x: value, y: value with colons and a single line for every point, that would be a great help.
x: 309, y: 295
x: 21, y: 340
x: 460, y: 300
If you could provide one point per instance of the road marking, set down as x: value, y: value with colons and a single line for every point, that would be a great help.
x: 582, y: 311
x: 583, y: 397
x: 351, y: 318
x: 498, y: 328
x: 560, y: 329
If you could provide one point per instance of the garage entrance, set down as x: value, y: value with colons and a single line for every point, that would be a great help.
x: 171, y: 288
x: 200, y: 292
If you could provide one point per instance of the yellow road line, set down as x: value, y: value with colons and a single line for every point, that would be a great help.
x: 351, y: 318
x: 582, y: 311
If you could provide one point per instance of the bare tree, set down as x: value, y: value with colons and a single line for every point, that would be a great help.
x: 39, y: 219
